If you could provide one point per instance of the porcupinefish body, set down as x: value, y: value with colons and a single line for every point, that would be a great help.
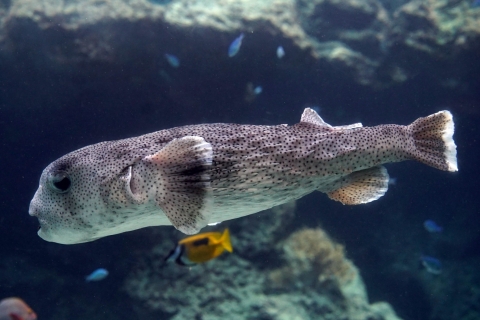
x: 194, y: 175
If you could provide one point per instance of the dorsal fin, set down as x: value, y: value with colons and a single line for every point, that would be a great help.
x: 310, y: 116
x: 349, y: 126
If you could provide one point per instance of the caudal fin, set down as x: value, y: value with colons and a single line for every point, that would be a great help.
x: 225, y: 241
x: 433, y: 139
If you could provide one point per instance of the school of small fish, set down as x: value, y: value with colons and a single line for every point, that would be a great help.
x: 431, y: 264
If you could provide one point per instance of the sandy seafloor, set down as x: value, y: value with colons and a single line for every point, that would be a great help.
x: 73, y: 73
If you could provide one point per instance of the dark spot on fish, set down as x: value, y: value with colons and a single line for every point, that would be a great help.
x: 197, y: 170
x: 201, y: 242
x: 61, y: 166
x: 163, y: 140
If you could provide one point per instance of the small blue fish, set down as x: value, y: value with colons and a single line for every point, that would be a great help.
x: 280, y: 52
x: 97, y: 275
x: 432, y: 227
x: 431, y: 264
x: 475, y: 4
x: 235, y: 46
x: 258, y: 90
x: 172, y: 60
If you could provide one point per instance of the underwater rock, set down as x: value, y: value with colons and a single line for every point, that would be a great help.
x: 116, y: 32
x: 236, y: 288
x: 348, y: 34
x: 354, y: 39
x: 433, y: 37
x: 313, y: 258
x: 257, y: 233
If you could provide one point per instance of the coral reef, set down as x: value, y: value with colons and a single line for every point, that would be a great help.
x: 314, y: 258
x: 432, y: 37
x: 348, y: 34
x: 453, y: 294
x: 321, y: 284
x: 76, y: 72
x: 353, y: 39
x: 254, y: 236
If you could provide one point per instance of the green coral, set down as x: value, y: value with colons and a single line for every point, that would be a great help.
x: 313, y: 258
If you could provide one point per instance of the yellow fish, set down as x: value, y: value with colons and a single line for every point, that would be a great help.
x: 200, y: 248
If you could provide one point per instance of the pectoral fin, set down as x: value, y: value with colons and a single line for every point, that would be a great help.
x: 185, y: 194
x: 362, y: 186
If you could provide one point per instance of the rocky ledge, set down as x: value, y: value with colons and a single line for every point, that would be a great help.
x: 351, y: 40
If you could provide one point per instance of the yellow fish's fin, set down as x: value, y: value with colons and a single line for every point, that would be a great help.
x: 218, y: 250
x: 362, y: 186
x: 225, y: 241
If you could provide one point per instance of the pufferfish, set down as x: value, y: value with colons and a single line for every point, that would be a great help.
x: 194, y: 175
x: 200, y: 248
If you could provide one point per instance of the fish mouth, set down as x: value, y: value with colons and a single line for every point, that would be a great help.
x: 32, y: 212
x: 41, y: 222
x: 41, y: 227
x: 42, y: 234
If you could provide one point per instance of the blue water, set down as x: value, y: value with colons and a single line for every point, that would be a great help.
x: 57, y: 94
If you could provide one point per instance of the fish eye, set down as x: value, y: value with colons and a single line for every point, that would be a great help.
x: 60, y: 182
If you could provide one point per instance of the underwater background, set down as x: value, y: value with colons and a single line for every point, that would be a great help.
x: 74, y: 73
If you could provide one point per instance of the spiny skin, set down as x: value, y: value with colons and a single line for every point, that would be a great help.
x: 124, y: 185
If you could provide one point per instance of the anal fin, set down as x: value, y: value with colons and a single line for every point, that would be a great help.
x: 185, y: 195
x: 362, y: 186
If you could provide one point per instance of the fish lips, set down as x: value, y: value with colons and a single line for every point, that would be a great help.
x: 51, y: 234
x: 33, y: 212
x: 43, y: 227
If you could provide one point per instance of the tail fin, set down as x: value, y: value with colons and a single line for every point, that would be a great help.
x: 433, y: 139
x: 225, y: 241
